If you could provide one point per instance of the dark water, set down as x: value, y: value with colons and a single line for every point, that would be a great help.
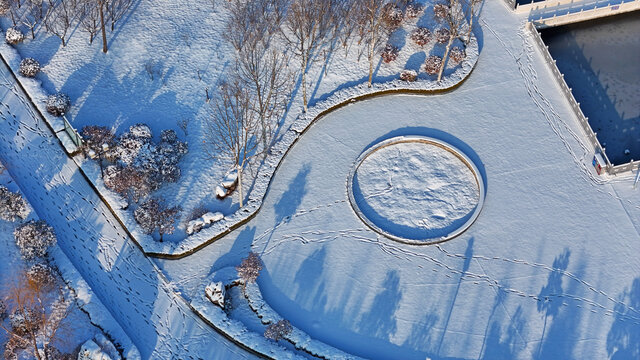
x: 601, y: 63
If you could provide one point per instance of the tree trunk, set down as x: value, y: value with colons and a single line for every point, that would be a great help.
x: 371, y: 63
x: 33, y: 34
x: 240, y: 186
x: 444, y: 58
x: 35, y: 347
x: 304, y: 84
x: 470, y: 26
x: 104, y: 34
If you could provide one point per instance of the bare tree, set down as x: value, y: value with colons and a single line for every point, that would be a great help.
x: 346, y: 23
x: 306, y: 29
x: 233, y: 129
x: 264, y: 73
x: 253, y: 21
x: 249, y: 269
x: 153, y: 215
x: 373, y: 29
x: 33, y: 15
x: 473, y: 8
x: 37, y: 309
x: 116, y: 9
x: 454, y: 18
x: 59, y: 18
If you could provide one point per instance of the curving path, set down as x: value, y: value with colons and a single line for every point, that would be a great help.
x: 529, y: 280
x: 158, y: 321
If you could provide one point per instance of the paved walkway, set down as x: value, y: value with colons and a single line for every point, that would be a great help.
x: 157, y: 320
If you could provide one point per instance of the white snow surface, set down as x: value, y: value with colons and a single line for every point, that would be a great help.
x: 415, y: 189
x: 532, y: 278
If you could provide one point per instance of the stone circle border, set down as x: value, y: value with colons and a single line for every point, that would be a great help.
x: 427, y: 140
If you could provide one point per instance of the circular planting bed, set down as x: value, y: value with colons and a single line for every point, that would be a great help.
x: 417, y: 190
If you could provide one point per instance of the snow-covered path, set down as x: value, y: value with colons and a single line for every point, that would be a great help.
x: 157, y: 320
x: 548, y: 270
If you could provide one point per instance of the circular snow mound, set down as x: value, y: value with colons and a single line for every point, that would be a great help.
x: 417, y: 190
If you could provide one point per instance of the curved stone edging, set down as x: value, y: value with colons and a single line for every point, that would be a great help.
x: 428, y: 140
x: 280, y: 149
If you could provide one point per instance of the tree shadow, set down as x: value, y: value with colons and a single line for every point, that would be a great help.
x: 380, y: 321
x: 623, y: 339
x: 499, y: 346
x: 558, y: 341
x: 291, y: 199
x: 310, y: 291
x: 239, y: 250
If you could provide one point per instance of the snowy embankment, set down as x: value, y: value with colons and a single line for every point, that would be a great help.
x: 84, y: 326
x: 93, y: 307
x: 37, y: 95
x: 288, y: 139
x: 297, y: 337
x: 257, y: 342
x: 235, y: 329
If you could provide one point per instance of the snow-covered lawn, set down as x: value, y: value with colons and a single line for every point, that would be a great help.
x: 163, y: 55
x: 547, y: 271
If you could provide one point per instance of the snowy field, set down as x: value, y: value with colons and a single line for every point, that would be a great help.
x: 548, y: 270
x: 78, y: 327
x: 600, y: 60
x: 531, y: 279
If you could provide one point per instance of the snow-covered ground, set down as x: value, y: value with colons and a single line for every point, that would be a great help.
x: 600, y: 61
x: 78, y: 327
x: 414, y: 189
x: 546, y: 272
x: 157, y: 320
x: 162, y: 56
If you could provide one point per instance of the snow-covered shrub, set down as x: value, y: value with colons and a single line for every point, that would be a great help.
x: 249, y: 268
x: 5, y: 7
x: 58, y: 104
x: 278, y: 330
x: 158, y: 162
x: 408, y: 75
x: 29, y: 67
x: 91, y: 351
x: 389, y: 53
x: 12, y: 205
x: 34, y: 238
x: 432, y: 64
x: 456, y: 54
x: 421, y: 36
x: 13, y: 36
x: 393, y: 16
x: 442, y: 35
x: 95, y: 137
x: 141, y: 131
x: 127, y: 181
x: 199, y: 223
x: 413, y: 10
x: 168, y: 136
x: 42, y: 276
x: 440, y: 11
x: 152, y: 215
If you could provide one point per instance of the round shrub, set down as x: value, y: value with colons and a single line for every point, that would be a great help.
x: 457, y: 55
x: 432, y: 64
x: 442, y: 35
x: 29, y: 67
x: 13, y: 36
x: 58, y: 104
x: 389, y: 54
x: 421, y: 36
x: 408, y: 75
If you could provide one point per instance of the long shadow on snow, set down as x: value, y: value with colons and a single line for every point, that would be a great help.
x: 623, y: 340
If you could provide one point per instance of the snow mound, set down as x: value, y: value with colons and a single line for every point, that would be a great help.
x: 415, y: 189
